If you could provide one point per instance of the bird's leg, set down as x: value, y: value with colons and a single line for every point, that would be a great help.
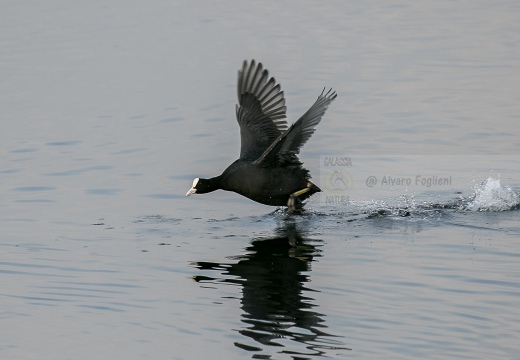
x: 294, y: 203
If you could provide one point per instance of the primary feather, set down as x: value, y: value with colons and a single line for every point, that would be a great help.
x: 261, y: 110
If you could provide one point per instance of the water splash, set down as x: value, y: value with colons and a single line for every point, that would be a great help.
x: 404, y: 206
x: 490, y: 195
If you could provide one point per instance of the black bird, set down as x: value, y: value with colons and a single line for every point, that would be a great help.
x: 268, y: 170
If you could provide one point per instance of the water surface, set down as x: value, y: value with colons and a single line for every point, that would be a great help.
x: 110, y: 110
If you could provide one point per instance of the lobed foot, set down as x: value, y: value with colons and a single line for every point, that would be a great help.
x: 294, y: 204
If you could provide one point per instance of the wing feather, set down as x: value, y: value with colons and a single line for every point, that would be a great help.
x: 285, y: 149
x: 260, y: 111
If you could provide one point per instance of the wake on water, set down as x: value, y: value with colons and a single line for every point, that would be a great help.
x: 489, y: 196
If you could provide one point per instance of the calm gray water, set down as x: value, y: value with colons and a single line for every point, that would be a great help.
x: 109, y: 110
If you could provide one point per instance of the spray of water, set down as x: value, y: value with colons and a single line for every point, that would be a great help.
x: 490, y: 195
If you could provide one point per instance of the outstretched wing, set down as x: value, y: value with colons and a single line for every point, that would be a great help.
x: 286, y: 147
x: 261, y: 110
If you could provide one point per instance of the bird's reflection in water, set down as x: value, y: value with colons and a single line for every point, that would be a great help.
x: 277, y: 305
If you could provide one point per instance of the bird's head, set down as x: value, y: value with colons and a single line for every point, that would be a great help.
x: 202, y: 186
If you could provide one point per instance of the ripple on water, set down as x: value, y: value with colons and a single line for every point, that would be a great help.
x: 34, y: 188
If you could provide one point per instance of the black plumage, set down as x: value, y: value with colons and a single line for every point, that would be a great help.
x: 268, y: 170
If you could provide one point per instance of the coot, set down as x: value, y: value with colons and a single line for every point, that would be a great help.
x: 268, y: 170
